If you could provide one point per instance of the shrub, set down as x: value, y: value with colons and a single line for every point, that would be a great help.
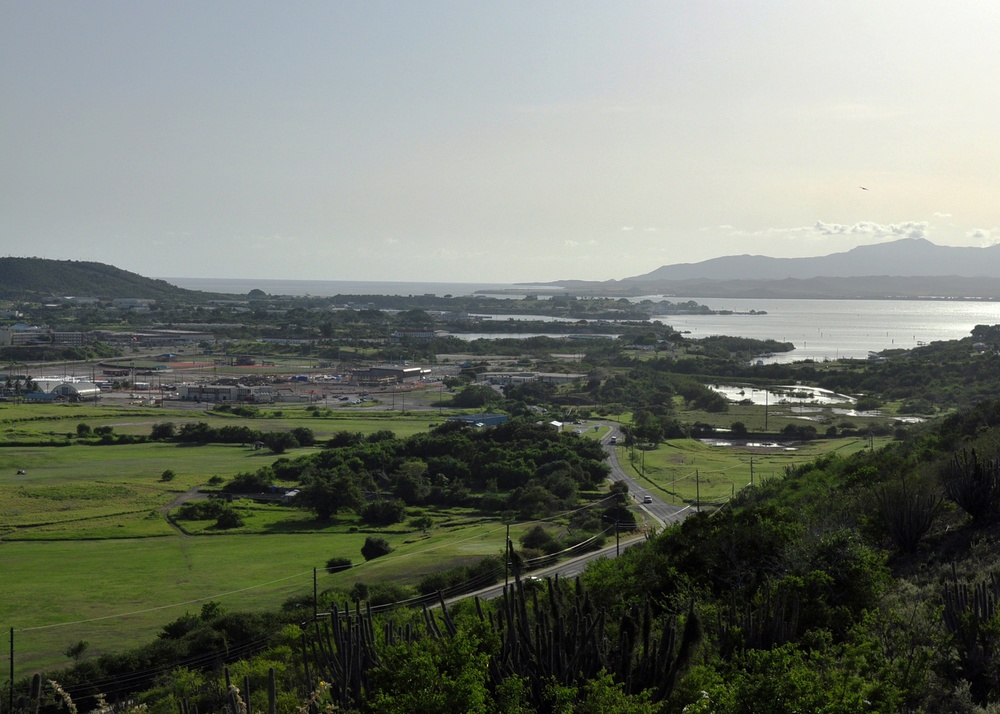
x: 537, y: 538
x: 375, y: 548
x: 382, y: 592
x: 384, y: 513
x: 335, y: 565
x: 163, y: 432
x: 167, y: 476
x: 248, y: 483
x: 201, y: 510
x: 229, y: 518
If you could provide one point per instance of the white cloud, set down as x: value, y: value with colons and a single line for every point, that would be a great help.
x: 870, y: 229
x: 938, y: 214
x: 985, y: 237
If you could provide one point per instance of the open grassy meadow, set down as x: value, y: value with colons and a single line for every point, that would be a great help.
x: 684, y: 471
x: 87, y: 550
x: 115, y: 593
x: 58, y: 423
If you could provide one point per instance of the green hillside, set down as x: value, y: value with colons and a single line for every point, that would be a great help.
x: 27, y: 278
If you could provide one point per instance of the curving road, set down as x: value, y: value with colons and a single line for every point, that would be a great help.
x: 661, y: 511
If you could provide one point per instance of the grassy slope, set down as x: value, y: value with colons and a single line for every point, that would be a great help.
x: 109, y: 551
x: 86, y: 536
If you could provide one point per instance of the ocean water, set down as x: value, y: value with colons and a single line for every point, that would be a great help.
x: 819, y: 329
x: 832, y: 329
x: 329, y: 288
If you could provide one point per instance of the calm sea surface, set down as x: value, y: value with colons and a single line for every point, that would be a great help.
x: 819, y: 329
x: 329, y: 288
x: 830, y: 329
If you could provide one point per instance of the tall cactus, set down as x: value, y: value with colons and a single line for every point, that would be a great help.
x: 969, y: 614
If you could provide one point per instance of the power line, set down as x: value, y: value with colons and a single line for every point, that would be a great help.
x: 164, y: 607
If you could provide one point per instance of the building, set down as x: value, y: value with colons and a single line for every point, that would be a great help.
x: 398, y: 336
x: 481, y: 420
x: 507, y: 378
x: 78, y: 391
x: 224, y: 393
x: 386, y: 375
x: 209, y: 392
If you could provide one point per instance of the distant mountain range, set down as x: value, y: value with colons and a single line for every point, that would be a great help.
x: 908, y: 257
x: 906, y: 268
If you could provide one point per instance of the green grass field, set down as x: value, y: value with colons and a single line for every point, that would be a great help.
x: 113, y: 593
x: 682, y: 471
x: 87, y: 552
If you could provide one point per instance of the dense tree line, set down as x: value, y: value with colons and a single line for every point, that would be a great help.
x: 201, y: 433
x: 522, y: 467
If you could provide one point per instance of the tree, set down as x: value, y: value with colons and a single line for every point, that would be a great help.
x: 375, y: 548
x: 163, y: 432
x: 229, y: 518
x: 279, y: 441
x: 619, y: 490
x: 327, y: 493
x: 167, y: 476
x: 76, y: 650
x: 384, y: 513
x: 475, y: 396
x: 83, y: 430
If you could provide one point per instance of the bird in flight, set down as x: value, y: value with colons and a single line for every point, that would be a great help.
x: 863, y: 188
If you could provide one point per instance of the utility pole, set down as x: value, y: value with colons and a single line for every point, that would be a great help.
x: 618, y: 543
x: 751, y: 471
x: 697, y: 491
x: 506, y: 557
x: 11, y: 669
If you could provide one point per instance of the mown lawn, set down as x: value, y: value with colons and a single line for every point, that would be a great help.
x: 87, y: 552
x: 113, y: 593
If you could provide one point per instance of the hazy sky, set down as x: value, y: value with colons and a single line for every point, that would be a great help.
x: 491, y: 141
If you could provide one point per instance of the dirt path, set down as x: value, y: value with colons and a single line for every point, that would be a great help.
x: 192, y: 494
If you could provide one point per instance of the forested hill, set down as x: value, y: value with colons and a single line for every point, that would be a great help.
x: 26, y: 278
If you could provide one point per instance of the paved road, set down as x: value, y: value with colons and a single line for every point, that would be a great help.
x: 661, y: 511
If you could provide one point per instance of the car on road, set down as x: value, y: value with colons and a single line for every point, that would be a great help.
x: 647, y: 499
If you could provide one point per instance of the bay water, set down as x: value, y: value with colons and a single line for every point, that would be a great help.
x: 819, y: 329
